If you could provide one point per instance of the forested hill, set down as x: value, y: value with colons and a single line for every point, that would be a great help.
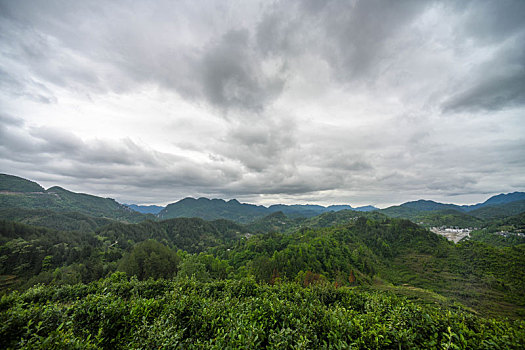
x: 345, y: 278
x: 146, y: 209
x: 378, y: 253
x: 211, y: 209
x: 28, y: 195
x: 58, y: 202
x: 10, y: 183
x: 425, y: 211
x: 31, y: 254
x: 497, y: 200
x: 432, y: 213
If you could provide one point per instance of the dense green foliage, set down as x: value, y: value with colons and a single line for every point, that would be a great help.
x: 192, y: 235
x: 23, y: 194
x: 426, y: 205
x: 150, y: 259
x: 12, y: 183
x: 506, y: 232
x: 497, y: 239
x: 336, y: 280
x: 64, y: 221
x: 212, y: 209
x: 278, y: 222
x: 30, y: 254
x: 500, y: 211
x: 116, y: 313
x: 448, y: 218
x: 275, y: 222
x: 146, y: 209
x: 487, y: 278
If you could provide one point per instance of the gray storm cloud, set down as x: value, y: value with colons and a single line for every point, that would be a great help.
x: 325, y: 101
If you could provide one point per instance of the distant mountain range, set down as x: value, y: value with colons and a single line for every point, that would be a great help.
x: 212, y: 209
x: 16, y: 192
x: 426, y: 205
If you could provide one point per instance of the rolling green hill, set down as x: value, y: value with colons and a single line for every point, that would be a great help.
x: 19, y: 194
x: 193, y: 235
x: 506, y: 232
x: 31, y: 254
x: 426, y: 205
x: 379, y: 252
x: 146, y: 209
x: 71, y: 275
x: 10, y: 183
x: 499, y: 211
x: 384, y: 281
x: 63, y: 221
x: 503, y: 198
x: 487, y: 278
x: 447, y: 217
x: 212, y: 209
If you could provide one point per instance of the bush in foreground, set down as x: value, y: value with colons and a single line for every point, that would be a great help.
x: 129, y: 314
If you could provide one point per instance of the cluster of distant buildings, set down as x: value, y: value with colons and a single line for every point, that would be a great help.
x: 507, y: 233
x: 455, y: 234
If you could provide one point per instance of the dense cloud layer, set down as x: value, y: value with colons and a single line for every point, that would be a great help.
x: 359, y: 102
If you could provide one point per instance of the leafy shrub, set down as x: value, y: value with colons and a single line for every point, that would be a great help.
x: 121, y: 313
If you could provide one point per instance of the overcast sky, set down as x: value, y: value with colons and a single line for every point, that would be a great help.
x: 355, y: 102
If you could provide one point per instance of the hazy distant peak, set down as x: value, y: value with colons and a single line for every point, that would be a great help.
x: 427, y: 205
x: 366, y: 208
x: 57, y: 189
x: 505, y: 198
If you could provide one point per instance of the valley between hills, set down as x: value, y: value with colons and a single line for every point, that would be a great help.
x: 81, y: 271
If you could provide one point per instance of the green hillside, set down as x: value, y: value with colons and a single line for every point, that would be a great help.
x: 448, y: 217
x: 34, y: 254
x: 426, y: 205
x: 275, y: 222
x: 12, y: 183
x: 73, y: 276
x: 499, y: 211
x: 377, y: 252
x: 506, y: 232
x: 63, y: 221
x: 213, y: 209
x: 400, y: 212
x: 60, y: 200
x: 430, y: 213
x: 369, y: 283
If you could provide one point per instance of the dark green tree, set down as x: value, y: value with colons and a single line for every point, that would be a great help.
x: 150, y: 259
